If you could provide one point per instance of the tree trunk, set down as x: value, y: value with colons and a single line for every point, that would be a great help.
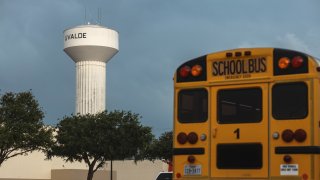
x: 90, y: 173
x: 111, y: 170
x: 1, y: 161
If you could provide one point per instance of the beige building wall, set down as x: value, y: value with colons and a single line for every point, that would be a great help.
x: 143, y: 170
x: 78, y: 174
x: 34, y: 167
x: 20, y: 179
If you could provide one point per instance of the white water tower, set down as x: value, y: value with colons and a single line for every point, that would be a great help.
x: 90, y: 47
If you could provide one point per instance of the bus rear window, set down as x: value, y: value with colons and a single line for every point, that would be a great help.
x: 290, y: 101
x: 239, y: 106
x: 193, y: 105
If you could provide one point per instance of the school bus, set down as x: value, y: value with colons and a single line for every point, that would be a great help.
x: 249, y: 113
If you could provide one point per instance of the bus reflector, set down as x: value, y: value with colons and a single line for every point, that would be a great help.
x: 192, y: 138
x: 275, y: 135
x: 287, y: 135
x: 182, y: 138
x: 300, y: 135
x: 203, y: 137
x: 297, y: 62
x: 196, y: 70
x: 283, y: 63
x: 185, y: 71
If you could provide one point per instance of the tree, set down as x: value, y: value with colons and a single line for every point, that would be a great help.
x: 21, y: 126
x: 97, y: 138
x: 161, y: 148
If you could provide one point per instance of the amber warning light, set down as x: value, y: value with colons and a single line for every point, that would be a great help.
x: 187, y: 71
x: 285, y: 62
x: 192, y: 70
x: 196, y: 70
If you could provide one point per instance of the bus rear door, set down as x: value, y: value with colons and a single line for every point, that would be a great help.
x: 239, y: 131
x: 292, y: 146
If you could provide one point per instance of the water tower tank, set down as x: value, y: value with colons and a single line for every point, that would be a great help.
x: 90, y: 47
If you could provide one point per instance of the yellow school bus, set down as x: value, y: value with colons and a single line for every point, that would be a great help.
x: 247, y: 114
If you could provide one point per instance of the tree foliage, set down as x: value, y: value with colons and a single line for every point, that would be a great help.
x: 21, y: 126
x: 161, y: 148
x: 97, y: 138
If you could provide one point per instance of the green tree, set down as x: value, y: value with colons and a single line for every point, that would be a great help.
x: 21, y: 126
x: 97, y: 138
x: 161, y: 148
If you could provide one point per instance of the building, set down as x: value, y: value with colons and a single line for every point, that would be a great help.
x: 34, y: 167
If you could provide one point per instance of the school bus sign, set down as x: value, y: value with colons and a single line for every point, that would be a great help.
x: 239, y: 68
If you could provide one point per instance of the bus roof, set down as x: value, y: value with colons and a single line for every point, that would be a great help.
x: 247, y: 64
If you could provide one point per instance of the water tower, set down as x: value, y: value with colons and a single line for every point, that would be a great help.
x: 90, y: 47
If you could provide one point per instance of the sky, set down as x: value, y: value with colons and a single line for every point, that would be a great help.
x: 155, y: 37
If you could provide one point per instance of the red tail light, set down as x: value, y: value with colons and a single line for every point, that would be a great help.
x: 192, y: 138
x: 297, y: 62
x: 185, y: 71
x: 287, y: 135
x: 300, y: 135
x: 182, y: 138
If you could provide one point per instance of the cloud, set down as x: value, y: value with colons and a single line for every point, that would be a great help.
x: 307, y: 43
x: 247, y: 44
x: 292, y: 41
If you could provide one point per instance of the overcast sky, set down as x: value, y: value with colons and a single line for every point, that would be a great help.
x: 156, y: 36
